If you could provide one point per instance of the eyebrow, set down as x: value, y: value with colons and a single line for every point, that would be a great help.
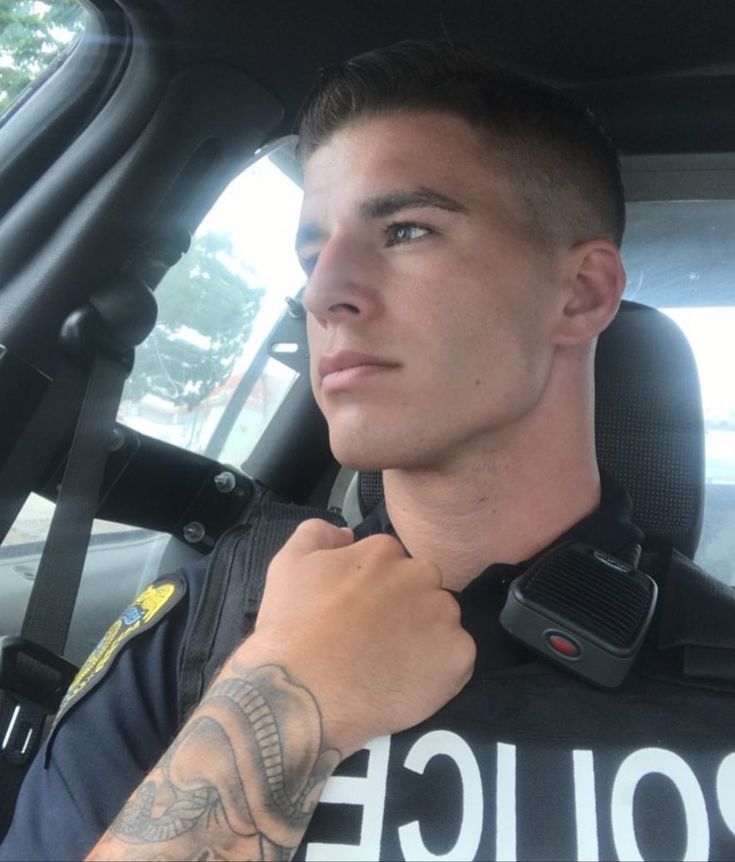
x: 384, y: 205
x: 387, y: 204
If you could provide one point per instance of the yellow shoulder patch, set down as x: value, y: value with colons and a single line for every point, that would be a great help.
x: 153, y: 603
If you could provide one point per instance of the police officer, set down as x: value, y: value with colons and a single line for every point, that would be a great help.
x: 460, y: 232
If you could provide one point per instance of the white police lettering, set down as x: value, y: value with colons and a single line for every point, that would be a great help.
x: 585, y: 805
x: 429, y: 795
x: 505, y: 804
x: 635, y: 767
x: 470, y: 831
x: 368, y: 792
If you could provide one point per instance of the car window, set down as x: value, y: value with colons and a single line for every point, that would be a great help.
x: 35, y: 37
x: 217, y: 307
x: 679, y: 257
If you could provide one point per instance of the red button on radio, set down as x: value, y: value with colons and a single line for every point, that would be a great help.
x: 563, y: 645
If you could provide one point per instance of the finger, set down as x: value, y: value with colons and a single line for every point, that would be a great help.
x: 384, y: 544
x: 318, y: 535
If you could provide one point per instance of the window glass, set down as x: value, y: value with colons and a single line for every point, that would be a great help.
x: 34, y: 38
x: 216, y: 310
x: 680, y: 256
x: 711, y: 332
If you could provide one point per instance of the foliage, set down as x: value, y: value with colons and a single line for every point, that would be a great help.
x: 33, y: 35
x: 205, y: 316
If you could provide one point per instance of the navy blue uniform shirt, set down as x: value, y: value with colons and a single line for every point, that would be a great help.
x: 527, y: 762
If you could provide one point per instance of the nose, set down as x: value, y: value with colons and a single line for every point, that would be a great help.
x: 343, y: 285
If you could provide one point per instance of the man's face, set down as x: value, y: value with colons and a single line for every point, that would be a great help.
x: 430, y: 306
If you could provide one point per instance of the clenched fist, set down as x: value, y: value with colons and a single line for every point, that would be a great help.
x: 367, y: 629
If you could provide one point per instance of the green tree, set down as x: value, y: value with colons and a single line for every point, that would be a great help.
x: 33, y: 35
x: 205, y: 316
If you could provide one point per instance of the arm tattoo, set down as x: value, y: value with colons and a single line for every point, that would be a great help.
x: 245, y: 772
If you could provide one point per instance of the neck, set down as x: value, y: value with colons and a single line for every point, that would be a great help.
x: 467, y: 519
x: 498, y: 503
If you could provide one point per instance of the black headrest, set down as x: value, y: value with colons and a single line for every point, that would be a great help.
x: 649, y: 424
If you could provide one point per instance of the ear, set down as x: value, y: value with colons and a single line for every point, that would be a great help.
x: 594, y: 281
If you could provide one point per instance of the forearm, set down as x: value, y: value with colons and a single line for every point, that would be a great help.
x: 241, y: 780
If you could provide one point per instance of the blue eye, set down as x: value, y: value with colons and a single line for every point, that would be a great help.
x: 405, y: 232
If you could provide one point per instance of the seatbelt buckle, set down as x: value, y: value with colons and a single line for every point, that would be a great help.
x: 34, y: 672
x: 21, y: 736
x: 583, y: 609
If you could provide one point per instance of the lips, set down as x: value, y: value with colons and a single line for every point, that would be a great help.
x: 348, y: 370
x: 350, y: 359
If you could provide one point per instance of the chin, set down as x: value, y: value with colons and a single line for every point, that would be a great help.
x: 360, y: 454
x: 376, y: 455
x: 357, y: 444
x: 372, y: 440
x: 363, y: 462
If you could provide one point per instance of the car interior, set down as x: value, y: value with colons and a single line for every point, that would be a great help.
x: 147, y: 177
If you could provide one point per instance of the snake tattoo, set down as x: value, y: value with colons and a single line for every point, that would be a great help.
x: 248, y: 767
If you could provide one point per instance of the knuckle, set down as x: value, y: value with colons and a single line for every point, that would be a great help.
x: 469, y: 648
x: 312, y: 526
x: 427, y: 571
x: 304, y: 531
x: 450, y: 606
x: 382, y: 544
x: 442, y: 613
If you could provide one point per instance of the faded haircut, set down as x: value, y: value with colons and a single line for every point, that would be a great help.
x: 557, y: 157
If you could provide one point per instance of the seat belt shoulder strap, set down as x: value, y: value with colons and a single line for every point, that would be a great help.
x: 34, y: 676
x: 100, y: 337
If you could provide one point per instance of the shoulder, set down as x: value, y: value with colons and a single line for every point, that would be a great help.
x: 153, y: 624
x: 145, y: 612
x: 132, y: 673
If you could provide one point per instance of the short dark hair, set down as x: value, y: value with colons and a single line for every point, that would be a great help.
x: 559, y: 159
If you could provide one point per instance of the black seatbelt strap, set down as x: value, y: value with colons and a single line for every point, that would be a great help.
x: 49, y: 429
x: 54, y: 593
x: 100, y: 337
x: 32, y: 674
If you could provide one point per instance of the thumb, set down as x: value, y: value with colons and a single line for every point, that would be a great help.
x: 318, y: 535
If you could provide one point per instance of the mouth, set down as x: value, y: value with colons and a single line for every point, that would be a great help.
x: 346, y: 369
